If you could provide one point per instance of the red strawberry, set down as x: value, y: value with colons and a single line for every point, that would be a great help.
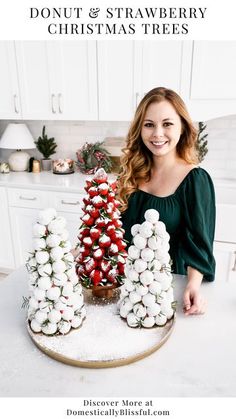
x: 96, y: 276
x: 109, y: 211
x: 104, y: 241
x: 87, y: 241
x: 103, y: 188
x: 113, y: 250
x: 105, y: 265
x: 121, y: 268
x: 115, y: 215
x: 87, y: 220
x: 84, y: 232
x: 99, y: 253
x: 117, y: 203
x: 94, y: 212
x: 80, y: 270
x: 98, y: 201
x: 95, y: 233
x: 84, y: 251
x: 110, y: 230
x: 117, y: 223
x: 90, y: 265
x: 110, y: 197
x: 87, y: 200
x: 100, y: 176
x: 111, y: 275
x: 101, y: 222
x: 121, y: 259
x: 93, y: 191
x: 116, y: 235
x: 121, y: 244
x: 113, y: 185
x: 88, y: 183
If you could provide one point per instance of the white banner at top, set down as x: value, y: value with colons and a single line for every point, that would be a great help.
x: 118, y: 20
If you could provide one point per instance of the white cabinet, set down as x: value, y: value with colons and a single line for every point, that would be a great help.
x: 225, y: 255
x: 58, y: 80
x: 208, y: 78
x: 6, y: 252
x: 10, y: 107
x: 36, y: 97
x: 127, y: 70
x: 158, y: 64
x: 116, y: 80
x: 73, y: 79
x: 69, y: 205
x: 24, y: 206
x: 22, y: 221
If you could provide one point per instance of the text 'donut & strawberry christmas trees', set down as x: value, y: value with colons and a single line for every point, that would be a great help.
x: 102, y: 254
x: 56, y: 302
x: 146, y: 298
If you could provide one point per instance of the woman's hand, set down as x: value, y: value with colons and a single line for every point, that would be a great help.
x: 193, y: 302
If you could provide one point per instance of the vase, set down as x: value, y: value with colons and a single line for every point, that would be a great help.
x: 46, y: 164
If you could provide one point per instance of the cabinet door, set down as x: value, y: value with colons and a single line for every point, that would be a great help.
x: 6, y: 247
x: 10, y: 96
x: 157, y: 63
x: 225, y: 255
x: 22, y: 221
x: 69, y: 205
x: 38, y: 101
x: 208, y: 78
x: 116, y: 80
x: 73, y: 76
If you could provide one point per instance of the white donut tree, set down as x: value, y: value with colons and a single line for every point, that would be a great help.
x: 56, y: 302
x: 146, y: 298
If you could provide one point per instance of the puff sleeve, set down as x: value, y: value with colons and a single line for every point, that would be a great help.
x: 198, y: 228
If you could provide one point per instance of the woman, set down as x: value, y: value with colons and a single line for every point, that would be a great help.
x: 159, y: 170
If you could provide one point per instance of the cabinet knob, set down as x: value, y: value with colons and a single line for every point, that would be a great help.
x: 60, y: 102
x: 70, y: 203
x: 234, y: 265
x: 24, y: 198
x: 16, y: 104
x: 53, y: 103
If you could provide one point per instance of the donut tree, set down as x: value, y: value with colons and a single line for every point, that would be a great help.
x: 56, y: 302
x: 146, y: 298
x: 102, y: 253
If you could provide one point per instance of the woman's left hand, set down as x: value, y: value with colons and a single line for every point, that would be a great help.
x: 193, y: 302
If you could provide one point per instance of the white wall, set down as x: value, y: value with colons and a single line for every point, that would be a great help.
x: 220, y: 161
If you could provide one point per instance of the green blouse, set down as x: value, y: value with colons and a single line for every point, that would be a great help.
x: 189, y: 216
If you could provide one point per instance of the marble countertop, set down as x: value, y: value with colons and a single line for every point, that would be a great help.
x: 198, y: 360
x: 67, y: 183
x: 74, y: 182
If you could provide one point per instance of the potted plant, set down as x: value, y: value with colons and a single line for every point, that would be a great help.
x: 47, y: 147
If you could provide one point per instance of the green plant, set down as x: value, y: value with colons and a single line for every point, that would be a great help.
x: 46, y: 146
x: 201, y: 143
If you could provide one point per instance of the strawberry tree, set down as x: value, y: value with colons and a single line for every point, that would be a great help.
x: 102, y: 253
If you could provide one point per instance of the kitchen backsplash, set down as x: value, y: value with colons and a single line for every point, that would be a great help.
x: 220, y: 161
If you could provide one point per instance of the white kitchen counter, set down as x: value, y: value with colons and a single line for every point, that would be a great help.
x: 197, y: 360
x: 74, y: 182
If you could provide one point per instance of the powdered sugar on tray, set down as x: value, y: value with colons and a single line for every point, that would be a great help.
x: 103, y: 337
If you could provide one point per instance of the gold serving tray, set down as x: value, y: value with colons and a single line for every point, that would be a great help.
x: 104, y: 340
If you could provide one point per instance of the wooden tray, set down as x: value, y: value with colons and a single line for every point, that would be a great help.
x: 104, y: 340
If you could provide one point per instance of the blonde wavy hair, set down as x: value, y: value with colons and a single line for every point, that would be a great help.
x: 136, y: 161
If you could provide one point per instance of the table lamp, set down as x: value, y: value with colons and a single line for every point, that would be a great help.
x: 18, y: 137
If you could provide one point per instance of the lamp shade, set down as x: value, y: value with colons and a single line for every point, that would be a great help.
x: 17, y: 136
